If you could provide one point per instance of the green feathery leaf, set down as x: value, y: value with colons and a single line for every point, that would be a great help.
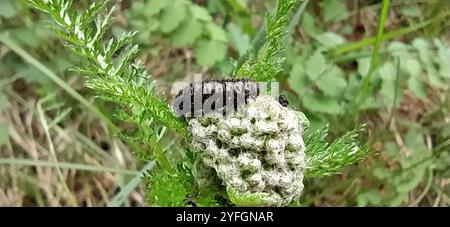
x: 113, y: 69
x: 269, y: 60
x: 170, y: 187
x: 325, y: 159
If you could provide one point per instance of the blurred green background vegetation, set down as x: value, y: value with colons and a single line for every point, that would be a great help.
x: 58, y: 150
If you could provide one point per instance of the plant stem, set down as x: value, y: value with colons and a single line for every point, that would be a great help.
x: 397, y: 85
x: 389, y: 35
x: 125, y: 191
x: 365, y: 87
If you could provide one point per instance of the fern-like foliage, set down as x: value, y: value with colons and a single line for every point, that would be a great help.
x: 114, y: 72
x: 325, y: 159
x: 267, y: 63
x: 184, y: 185
x: 112, y: 68
x: 171, y: 187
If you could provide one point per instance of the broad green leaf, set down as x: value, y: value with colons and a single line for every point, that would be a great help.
x: 417, y: 87
x: 413, y: 164
x: 392, y: 150
x: 332, y: 82
x: 152, y: 24
x: 188, y: 33
x: 143, y: 37
x: 417, y: 149
x: 411, y: 11
x: 25, y: 37
x: 321, y: 104
x: 238, y: 5
x: 315, y: 66
x: 141, y: 19
x: 137, y: 8
x: 389, y: 88
x: 172, y: 16
x: 444, y: 58
x: 435, y: 78
x: 414, y: 160
x: 139, y: 24
x: 424, y: 51
x: 153, y: 7
x: 353, y: 86
x: 315, y: 123
x: 373, y: 103
x: 441, y: 162
x: 330, y: 40
x: 397, y: 199
x: 7, y: 9
x: 380, y: 173
x: 298, y: 80
x: 346, y: 30
x: 426, y: 57
x: 388, y: 71
x: 292, y: 56
x: 32, y: 74
x: 335, y: 10
x: 239, y: 40
x: 208, y: 52
x: 216, y: 32
x: 411, y: 181
x: 398, y: 49
x: 308, y: 24
x: 413, y: 67
x: 199, y: 13
x: 218, y: 7
x: 363, y: 66
x: 371, y: 197
x: 225, y: 67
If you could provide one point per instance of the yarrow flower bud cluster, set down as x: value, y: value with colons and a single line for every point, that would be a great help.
x: 258, y: 152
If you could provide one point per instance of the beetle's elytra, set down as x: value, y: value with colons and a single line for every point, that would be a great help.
x: 220, y: 96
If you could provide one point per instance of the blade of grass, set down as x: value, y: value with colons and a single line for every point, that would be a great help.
x: 397, y: 86
x: 51, y: 148
x: 435, y: 28
x: 122, y: 196
x: 65, y: 165
x: 426, y: 190
x: 92, y: 148
x: 59, y: 117
x: 365, y: 86
x: 87, y: 143
x: 389, y: 35
x: 365, y: 54
x: 45, y: 70
x: 51, y: 75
